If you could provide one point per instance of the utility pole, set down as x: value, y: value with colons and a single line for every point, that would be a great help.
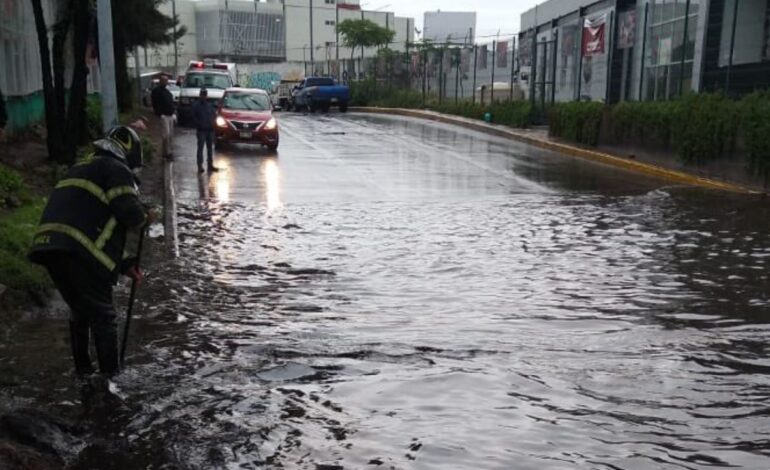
x: 312, y: 46
x: 176, y: 50
x: 138, y: 76
x: 337, y: 40
x: 107, y: 65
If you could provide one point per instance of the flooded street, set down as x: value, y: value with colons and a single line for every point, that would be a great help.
x: 391, y: 293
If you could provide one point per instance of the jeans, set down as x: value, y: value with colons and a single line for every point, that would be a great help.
x: 206, y: 137
x: 89, y: 297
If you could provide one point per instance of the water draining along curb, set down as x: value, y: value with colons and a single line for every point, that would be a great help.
x: 588, y: 154
x: 169, y: 210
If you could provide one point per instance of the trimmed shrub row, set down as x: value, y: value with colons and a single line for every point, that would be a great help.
x: 699, y: 128
x: 509, y: 113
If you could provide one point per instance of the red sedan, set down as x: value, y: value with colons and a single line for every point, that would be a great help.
x: 246, y: 115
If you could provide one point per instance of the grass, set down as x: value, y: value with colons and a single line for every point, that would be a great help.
x: 17, y: 228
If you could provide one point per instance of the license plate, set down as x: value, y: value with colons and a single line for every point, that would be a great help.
x: 245, y: 134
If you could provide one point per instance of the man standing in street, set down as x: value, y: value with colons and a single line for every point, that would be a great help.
x: 83, y: 243
x: 204, y: 114
x: 163, y: 105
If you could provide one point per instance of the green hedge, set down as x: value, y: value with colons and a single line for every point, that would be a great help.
x: 368, y: 93
x: 577, y: 121
x: 699, y: 127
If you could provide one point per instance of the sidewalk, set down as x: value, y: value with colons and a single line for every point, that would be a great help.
x: 540, y: 138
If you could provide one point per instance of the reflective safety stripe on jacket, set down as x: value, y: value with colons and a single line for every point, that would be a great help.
x: 89, y: 212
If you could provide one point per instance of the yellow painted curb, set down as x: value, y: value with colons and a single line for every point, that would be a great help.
x: 602, y: 157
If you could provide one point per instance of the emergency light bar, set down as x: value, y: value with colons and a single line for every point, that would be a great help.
x: 198, y: 64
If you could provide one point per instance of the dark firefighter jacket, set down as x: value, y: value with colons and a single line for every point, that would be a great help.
x: 90, y: 213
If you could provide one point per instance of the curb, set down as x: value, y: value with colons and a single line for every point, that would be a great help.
x: 169, y: 210
x: 571, y: 150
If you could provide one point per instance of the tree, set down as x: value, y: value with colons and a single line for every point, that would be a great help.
x: 138, y: 23
x: 64, y: 122
x: 364, y: 33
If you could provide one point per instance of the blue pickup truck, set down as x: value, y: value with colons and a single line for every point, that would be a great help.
x: 319, y: 93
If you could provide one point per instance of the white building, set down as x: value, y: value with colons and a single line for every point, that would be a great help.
x: 271, y: 31
x: 449, y: 26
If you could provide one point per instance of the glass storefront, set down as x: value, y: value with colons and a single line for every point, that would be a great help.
x: 669, y: 55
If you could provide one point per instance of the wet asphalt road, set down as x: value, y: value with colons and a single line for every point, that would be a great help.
x: 389, y: 293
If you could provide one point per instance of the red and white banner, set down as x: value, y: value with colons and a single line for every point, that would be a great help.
x: 594, y: 36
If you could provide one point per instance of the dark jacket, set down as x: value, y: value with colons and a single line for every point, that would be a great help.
x: 162, y: 101
x: 203, y: 115
x: 3, y: 115
x: 89, y: 214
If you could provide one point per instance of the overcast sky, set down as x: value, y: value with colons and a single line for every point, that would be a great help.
x: 492, y: 15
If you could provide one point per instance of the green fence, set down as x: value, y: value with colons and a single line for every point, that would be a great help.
x: 24, y: 111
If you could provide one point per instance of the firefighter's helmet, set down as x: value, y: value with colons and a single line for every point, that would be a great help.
x: 125, y: 144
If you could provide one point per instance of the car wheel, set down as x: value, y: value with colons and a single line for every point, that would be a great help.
x: 325, y: 108
x: 273, y: 147
x: 344, y: 108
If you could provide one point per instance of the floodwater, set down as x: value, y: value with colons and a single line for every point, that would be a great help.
x: 389, y: 293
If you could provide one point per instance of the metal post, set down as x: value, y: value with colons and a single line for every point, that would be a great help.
x: 107, y: 65
x: 337, y: 40
x: 732, y: 48
x: 555, y: 64
x: 513, y: 63
x: 176, y: 50
x: 457, y: 79
x: 494, y: 64
x: 644, y: 51
x: 312, y: 45
x: 610, y: 56
x: 580, y: 57
x: 533, y: 69
x: 424, y: 74
x: 475, y: 69
x: 138, y: 76
x: 545, y: 71
x: 361, y: 64
x: 440, y: 78
x: 684, y: 46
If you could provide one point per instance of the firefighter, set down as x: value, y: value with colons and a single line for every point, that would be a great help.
x: 82, y: 242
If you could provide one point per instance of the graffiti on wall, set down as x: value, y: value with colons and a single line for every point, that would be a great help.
x: 263, y: 80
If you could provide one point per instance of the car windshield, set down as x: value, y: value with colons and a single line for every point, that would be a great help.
x: 207, y: 80
x: 247, y: 101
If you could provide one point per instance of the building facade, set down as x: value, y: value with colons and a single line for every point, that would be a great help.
x: 617, y: 50
x: 272, y: 31
x: 458, y: 27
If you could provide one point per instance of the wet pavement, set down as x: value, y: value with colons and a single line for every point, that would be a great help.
x: 389, y: 293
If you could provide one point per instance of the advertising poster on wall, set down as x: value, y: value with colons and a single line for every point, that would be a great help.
x: 465, y: 60
x: 481, y: 57
x: 594, y: 36
x: 626, y: 29
x: 502, y: 55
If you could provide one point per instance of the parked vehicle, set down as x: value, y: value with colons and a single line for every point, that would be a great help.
x: 282, y: 93
x: 320, y: 93
x: 246, y: 115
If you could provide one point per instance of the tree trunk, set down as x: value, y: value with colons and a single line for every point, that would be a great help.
x: 61, y: 30
x: 76, y: 113
x: 52, y: 120
x: 122, y: 84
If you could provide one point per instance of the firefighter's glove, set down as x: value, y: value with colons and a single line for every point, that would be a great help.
x: 136, y: 274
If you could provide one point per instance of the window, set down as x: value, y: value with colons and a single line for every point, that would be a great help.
x: 751, y: 32
x: 246, y: 101
x: 207, y: 80
x: 330, y: 22
x: 668, y: 49
x: 329, y: 2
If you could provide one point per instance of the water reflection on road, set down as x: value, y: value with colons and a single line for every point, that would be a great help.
x: 385, y: 293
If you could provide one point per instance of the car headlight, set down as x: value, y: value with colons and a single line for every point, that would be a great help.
x: 271, y: 124
x: 221, y: 122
